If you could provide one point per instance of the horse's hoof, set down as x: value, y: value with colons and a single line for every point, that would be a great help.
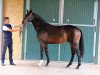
x: 77, y: 67
x: 68, y: 65
x: 47, y: 63
x: 40, y: 63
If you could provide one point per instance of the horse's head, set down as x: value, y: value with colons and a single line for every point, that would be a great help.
x: 28, y: 17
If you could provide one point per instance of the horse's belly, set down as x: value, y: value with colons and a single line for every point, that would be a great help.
x: 56, y: 40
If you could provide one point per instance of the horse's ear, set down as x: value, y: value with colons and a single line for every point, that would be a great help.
x: 27, y: 10
x: 30, y: 10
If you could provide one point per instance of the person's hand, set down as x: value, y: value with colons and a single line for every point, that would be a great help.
x: 20, y: 29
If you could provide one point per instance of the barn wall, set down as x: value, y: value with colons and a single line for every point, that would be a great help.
x: 14, y: 10
x: 78, y: 12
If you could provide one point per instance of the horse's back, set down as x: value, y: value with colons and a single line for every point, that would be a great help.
x: 69, y: 27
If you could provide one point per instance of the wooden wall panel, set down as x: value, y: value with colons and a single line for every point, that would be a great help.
x: 14, y: 10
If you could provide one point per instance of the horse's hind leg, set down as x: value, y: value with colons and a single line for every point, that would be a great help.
x: 74, y: 49
x: 72, y: 54
x: 72, y: 57
x: 79, y: 58
x: 47, y: 55
x: 77, y: 51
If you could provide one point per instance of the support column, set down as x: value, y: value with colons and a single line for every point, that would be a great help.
x: 1, y: 15
x: 25, y: 43
x: 61, y: 13
x: 95, y: 27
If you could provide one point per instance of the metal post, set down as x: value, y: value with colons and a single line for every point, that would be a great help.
x: 61, y: 13
x: 25, y: 40
x: 95, y: 25
x: 1, y: 15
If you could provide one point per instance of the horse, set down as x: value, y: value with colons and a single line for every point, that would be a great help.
x: 50, y: 34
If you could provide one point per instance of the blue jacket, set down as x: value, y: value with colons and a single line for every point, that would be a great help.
x: 7, y: 34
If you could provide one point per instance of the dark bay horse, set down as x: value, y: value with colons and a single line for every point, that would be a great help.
x: 49, y: 34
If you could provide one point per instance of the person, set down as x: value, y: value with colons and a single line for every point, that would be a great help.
x: 8, y: 42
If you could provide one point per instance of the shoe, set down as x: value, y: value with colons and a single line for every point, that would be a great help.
x: 12, y: 64
x: 2, y: 64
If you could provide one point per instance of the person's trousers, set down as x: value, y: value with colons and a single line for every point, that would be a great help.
x: 9, y: 44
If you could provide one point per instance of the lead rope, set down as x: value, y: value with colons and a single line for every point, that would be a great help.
x: 20, y: 32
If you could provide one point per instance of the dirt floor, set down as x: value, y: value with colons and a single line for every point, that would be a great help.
x: 54, y: 68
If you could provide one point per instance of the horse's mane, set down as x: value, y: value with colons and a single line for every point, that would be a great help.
x: 38, y: 17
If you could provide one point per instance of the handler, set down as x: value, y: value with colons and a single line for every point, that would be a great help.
x: 8, y: 42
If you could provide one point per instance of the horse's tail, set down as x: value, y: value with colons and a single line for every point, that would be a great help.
x: 81, y: 45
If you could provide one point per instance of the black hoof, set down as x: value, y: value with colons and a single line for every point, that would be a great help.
x: 68, y: 65
x: 47, y: 63
x: 77, y: 67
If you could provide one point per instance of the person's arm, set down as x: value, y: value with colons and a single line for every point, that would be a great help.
x: 14, y: 29
x: 17, y: 26
x: 11, y: 30
x: 13, y: 26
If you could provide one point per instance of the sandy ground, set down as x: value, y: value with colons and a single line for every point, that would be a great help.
x: 54, y: 68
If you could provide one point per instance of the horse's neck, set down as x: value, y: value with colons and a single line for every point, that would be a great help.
x: 38, y: 25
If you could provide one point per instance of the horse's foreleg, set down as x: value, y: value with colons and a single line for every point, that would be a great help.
x: 72, y: 57
x: 41, y: 54
x: 47, y: 55
x: 79, y: 58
